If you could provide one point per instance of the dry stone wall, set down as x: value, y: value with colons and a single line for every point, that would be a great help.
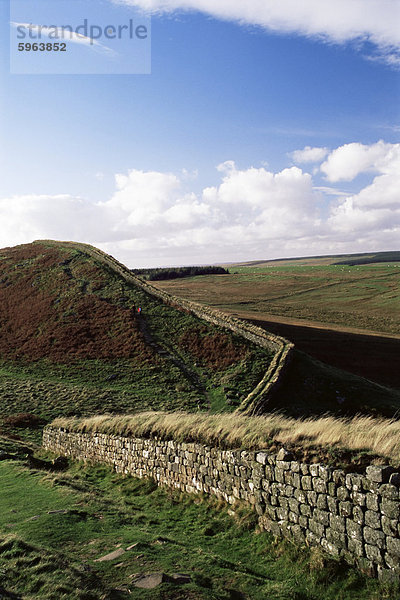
x: 352, y: 516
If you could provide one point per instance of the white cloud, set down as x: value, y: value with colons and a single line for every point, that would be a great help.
x: 309, y: 155
x: 350, y: 160
x: 28, y: 217
x: 339, y: 21
x: 154, y: 218
x: 375, y: 211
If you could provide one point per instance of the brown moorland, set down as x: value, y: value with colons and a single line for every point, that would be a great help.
x: 48, y: 311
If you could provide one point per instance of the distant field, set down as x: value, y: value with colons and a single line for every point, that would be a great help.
x: 348, y: 317
x: 363, y: 297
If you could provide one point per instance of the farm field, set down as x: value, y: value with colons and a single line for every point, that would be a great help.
x: 346, y: 316
x: 364, y: 297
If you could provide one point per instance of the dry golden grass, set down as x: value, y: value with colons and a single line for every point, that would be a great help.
x: 377, y: 436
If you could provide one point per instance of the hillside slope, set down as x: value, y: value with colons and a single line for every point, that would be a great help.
x: 72, y: 341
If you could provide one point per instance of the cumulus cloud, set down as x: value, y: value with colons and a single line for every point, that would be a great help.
x: 28, y: 217
x: 350, y: 160
x: 375, y: 21
x: 375, y: 210
x: 154, y: 218
x: 309, y: 155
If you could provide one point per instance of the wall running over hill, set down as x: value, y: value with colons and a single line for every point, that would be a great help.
x: 257, y: 401
x: 352, y: 516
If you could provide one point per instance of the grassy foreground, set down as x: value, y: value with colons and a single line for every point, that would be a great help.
x: 90, y: 512
x: 327, y: 438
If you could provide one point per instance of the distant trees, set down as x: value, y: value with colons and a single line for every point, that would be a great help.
x: 178, y: 272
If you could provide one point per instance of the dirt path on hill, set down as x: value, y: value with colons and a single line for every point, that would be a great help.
x: 372, y: 355
x: 171, y: 355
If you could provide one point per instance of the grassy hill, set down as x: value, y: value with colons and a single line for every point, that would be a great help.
x: 72, y: 341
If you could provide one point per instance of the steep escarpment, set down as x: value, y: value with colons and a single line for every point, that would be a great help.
x: 69, y: 320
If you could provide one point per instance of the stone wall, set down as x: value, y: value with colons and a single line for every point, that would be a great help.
x: 349, y: 515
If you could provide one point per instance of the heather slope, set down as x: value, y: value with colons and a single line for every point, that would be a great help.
x: 71, y: 341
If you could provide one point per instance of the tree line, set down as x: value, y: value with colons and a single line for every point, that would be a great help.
x: 159, y: 274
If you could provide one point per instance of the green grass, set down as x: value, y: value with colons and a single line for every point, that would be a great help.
x: 363, y: 296
x: 223, y: 554
x: 154, y: 371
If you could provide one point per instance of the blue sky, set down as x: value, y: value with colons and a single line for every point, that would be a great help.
x: 256, y: 135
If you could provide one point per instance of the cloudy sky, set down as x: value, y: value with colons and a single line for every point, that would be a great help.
x: 266, y: 129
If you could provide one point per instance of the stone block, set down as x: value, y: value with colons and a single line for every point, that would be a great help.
x: 389, y: 526
x: 325, y: 473
x: 283, y: 465
x: 339, y: 477
x: 337, y: 538
x: 294, y: 505
x: 282, y: 501
x: 392, y: 561
x: 306, y: 482
x: 258, y: 471
x: 345, y: 509
x: 387, y: 490
x: 319, y: 485
x: 330, y: 547
x: 379, y: 474
x: 374, y: 554
x: 284, y: 455
x: 373, y: 519
x: 372, y: 501
x: 300, y: 496
x: 390, y: 508
x: 354, y: 530
x: 303, y: 521
x: 315, y: 527
x: 289, y: 491
x: 312, y: 498
x: 269, y: 473
x: 358, y: 515
x: 321, y: 516
x: 282, y: 513
x: 262, y: 458
x: 322, y: 502
x: 342, y: 493
x: 356, y: 547
x: 374, y: 537
x: 296, y: 480
x: 333, y: 505
x: 359, y: 498
x: 337, y: 523
x: 393, y: 546
x: 305, y: 510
